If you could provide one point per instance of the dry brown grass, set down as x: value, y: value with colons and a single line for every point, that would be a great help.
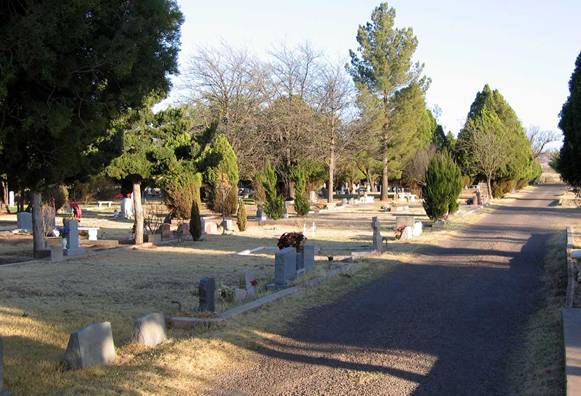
x: 42, y: 303
x: 537, y: 368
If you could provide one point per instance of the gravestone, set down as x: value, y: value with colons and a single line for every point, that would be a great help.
x: 150, y: 329
x: 165, y: 231
x: 10, y: 198
x: 183, y: 230
x: 91, y: 346
x: 248, y: 282
x: 240, y: 294
x: 308, y: 255
x: 417, y: 228
x: 208, y: 226
x: 24, y: 221
x: 127, y: 208
x: 285, y: 266
x: 207, y: 294
x: 475, y: 199
x: 407, y: 234
x: 260, y: 215
x: 377, y: 239
x: 313, y: 197
x: 228, y: 224
x: 55, y: 246
x: 73, y: 240
x: 404, y: 221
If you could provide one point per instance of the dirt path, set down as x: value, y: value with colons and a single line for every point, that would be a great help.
x: 443, y: 325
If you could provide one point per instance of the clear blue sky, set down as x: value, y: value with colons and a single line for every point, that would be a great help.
x: 526, y: 49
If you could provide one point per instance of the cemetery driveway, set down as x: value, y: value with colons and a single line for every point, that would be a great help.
x: 444, y: 325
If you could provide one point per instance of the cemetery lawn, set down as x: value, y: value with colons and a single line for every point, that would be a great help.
x: 43, y: 302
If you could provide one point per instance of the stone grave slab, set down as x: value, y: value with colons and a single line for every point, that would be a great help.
x: 24, y: 221
x: 248, y: 282
x: 377, y: 238
x: 308, y: 257
x: 418, y: 228
x: 285, y: 266
x: 407, y: 234
x: 150, y: 329
x: 165, y: 231
x: 73, y: 241
x: 404, y: 221
x: 207, y: 294
x: 91, y: 346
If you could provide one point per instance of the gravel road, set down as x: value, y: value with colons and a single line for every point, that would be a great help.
x: 444, y: 325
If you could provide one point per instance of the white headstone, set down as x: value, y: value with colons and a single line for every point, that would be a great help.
x: 150, y: 329
x: 417, y: 228
x: 404, y: 221
x: 73, y: 240
x: 10, y: 198
x: 127, y: 208
x: 407, y: 234
x: 91, y: 346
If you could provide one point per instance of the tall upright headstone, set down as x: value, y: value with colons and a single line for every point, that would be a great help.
x: 308, y: 257
x: 10, y: 198
x: 377, y: 239
x: 24, y: 221
x: 285, y: 266
x: 73, y: 240
x: 207, y: 294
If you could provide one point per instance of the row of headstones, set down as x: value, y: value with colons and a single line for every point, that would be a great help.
x: 290, y: 263
x: 207, y: 291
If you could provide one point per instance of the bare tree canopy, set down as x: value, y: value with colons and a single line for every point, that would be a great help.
x: 540, y: 139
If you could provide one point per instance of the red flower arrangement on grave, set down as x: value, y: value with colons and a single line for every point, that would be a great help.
x: 254, y: 282
x: 398, y: 231
x: 291, y: 239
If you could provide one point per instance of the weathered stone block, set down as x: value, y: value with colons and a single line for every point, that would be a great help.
x: 417, y: 228
x: 285, y: 266
x: 407, y: 234
x: 91, y: 346
x: 165, y: 231
x: 207, y: 294
x: 248, y: 282
x: 150, y: 329
x: 24, y: 221
x: 404, y: 221
x: 308, y: 257
x: 240, y: 294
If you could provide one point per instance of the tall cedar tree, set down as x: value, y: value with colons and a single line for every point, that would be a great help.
x: 442, y: 187
x: 68, y: 69
x: 569, y: 162
x: 492, y: 113
x: 220, y: 167
x: 381, y: 67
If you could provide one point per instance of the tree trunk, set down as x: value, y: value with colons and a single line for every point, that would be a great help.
x: 384, y: 181
x: 138, y: 213
x: 489, y: 185
x: 37, y: 224
x: 331, y: 171
x: 5, y: 198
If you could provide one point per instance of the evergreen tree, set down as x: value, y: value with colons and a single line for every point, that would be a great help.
x: 274, y: 205
x: 302, y: 204
x: 220, y: 167
x: 491, y: 112
x: 381, y: 67
x: 195, y: 218
x: 68, y: 69
x: 443, y: 184
x: 569, y: 160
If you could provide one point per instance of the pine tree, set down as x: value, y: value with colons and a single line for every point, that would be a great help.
x: 274, y: 205
x: 302, y: 204
x: 569, y: 161
x: 382, y: 67
x: 442, y: 187
x: 220, y: 167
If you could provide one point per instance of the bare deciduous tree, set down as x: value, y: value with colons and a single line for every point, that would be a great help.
x: 540, y: 139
